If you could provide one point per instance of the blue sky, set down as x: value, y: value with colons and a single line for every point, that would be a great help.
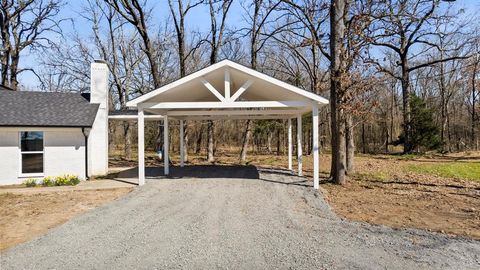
x: 198, y: 19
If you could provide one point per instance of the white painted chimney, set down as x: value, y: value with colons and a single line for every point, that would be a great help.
x: 98, y: 137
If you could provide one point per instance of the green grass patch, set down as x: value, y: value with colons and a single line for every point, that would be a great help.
x: 406, y: 156
x: 460, y: 170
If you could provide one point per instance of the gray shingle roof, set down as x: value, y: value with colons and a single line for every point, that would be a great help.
x: 47, y: 109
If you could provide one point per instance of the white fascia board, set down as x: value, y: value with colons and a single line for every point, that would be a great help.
x: 39, y: 128
x: 237, y: 112
x: 134, y: 117
x: 227, y: 105
x: 231, y: 117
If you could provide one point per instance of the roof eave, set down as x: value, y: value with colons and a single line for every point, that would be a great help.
x: 46, y: 126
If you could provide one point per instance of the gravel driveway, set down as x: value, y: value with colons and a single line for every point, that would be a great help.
x: 265, y: 220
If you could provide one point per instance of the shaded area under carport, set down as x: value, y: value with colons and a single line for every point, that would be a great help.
x: 130, y: 175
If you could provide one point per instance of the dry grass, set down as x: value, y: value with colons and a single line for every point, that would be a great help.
x: 29, y: 214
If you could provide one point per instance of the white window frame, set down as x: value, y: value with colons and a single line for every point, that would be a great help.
x: 21, y: 174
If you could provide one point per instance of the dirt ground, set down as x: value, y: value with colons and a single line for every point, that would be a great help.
x: 385, y: 190
x: 30, y: 212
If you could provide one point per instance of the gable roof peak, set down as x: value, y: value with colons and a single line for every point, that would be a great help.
x: 198, y: 75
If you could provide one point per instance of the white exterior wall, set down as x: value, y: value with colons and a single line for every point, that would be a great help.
x: 9, y: 157
x: 64, y: 153
x: 98, y: 137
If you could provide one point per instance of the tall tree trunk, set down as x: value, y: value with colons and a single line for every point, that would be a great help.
x: 198, y: 146
x: 185, y: 141
x: 350, y: 144
x: 246, y: 136
x: 14, y: 70
x: 443, y: 108
x: 407, y: 125
x: 364, y: 139
x: 269, y: 142
x: 278, y: 141
x: 337, y: 69
x: 127, y: 133
x: 309, y: 141
x: 392, y: 113
x: 474, y: 97
x: 387, y: 135
x: 449, y: 132
x: 111, y: 130
x: 305, y: 141
x: 211, y: 146
x: 5, y: 56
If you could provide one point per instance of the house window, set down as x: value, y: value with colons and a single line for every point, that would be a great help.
x: 31, y: 151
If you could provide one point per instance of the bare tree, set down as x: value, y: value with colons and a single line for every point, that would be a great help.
x: 404, y: 27
x: 116, y: 50
x: 136, y: 13
x: 218, y: 16
x: 179, y: 14
x: 474, y: 92
x: 258, y: 38
x: 338, y: 67
x: 25, y: 24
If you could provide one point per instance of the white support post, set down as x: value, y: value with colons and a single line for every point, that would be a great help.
x: 227, y: 84
x: 182, y: 139
x: 290, y: 144
x: 299, y: 144
x: 165, y: 146
x: 316, y: 161
x: 141, y: 147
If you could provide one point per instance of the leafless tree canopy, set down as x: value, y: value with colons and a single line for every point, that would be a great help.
x: 370, y: 58
x: 25, y: 25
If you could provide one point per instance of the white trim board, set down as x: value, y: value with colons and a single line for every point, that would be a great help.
x: 237, y: 112
x: 231, y: 117
x: 226, y: 105
x: 134, y: 117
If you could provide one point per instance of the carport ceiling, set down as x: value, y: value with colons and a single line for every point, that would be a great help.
x: 228, y: 90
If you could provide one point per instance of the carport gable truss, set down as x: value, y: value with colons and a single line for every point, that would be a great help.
x: 227, y: 90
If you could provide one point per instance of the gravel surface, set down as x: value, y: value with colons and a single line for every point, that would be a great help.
x: 274, y: 222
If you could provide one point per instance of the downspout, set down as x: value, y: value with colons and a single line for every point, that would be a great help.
x: 85, y: 134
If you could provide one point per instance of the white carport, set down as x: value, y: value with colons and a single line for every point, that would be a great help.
x: 227, y: 90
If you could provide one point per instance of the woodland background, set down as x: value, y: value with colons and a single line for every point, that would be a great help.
x: 397, y: 72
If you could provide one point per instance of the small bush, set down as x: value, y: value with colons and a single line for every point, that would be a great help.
x: 67, y: 180
x: 74, y: 180
x: 48, y: 181
x: 30, y: 182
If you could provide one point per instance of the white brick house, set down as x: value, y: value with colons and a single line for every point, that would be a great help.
x: 50, y: 134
